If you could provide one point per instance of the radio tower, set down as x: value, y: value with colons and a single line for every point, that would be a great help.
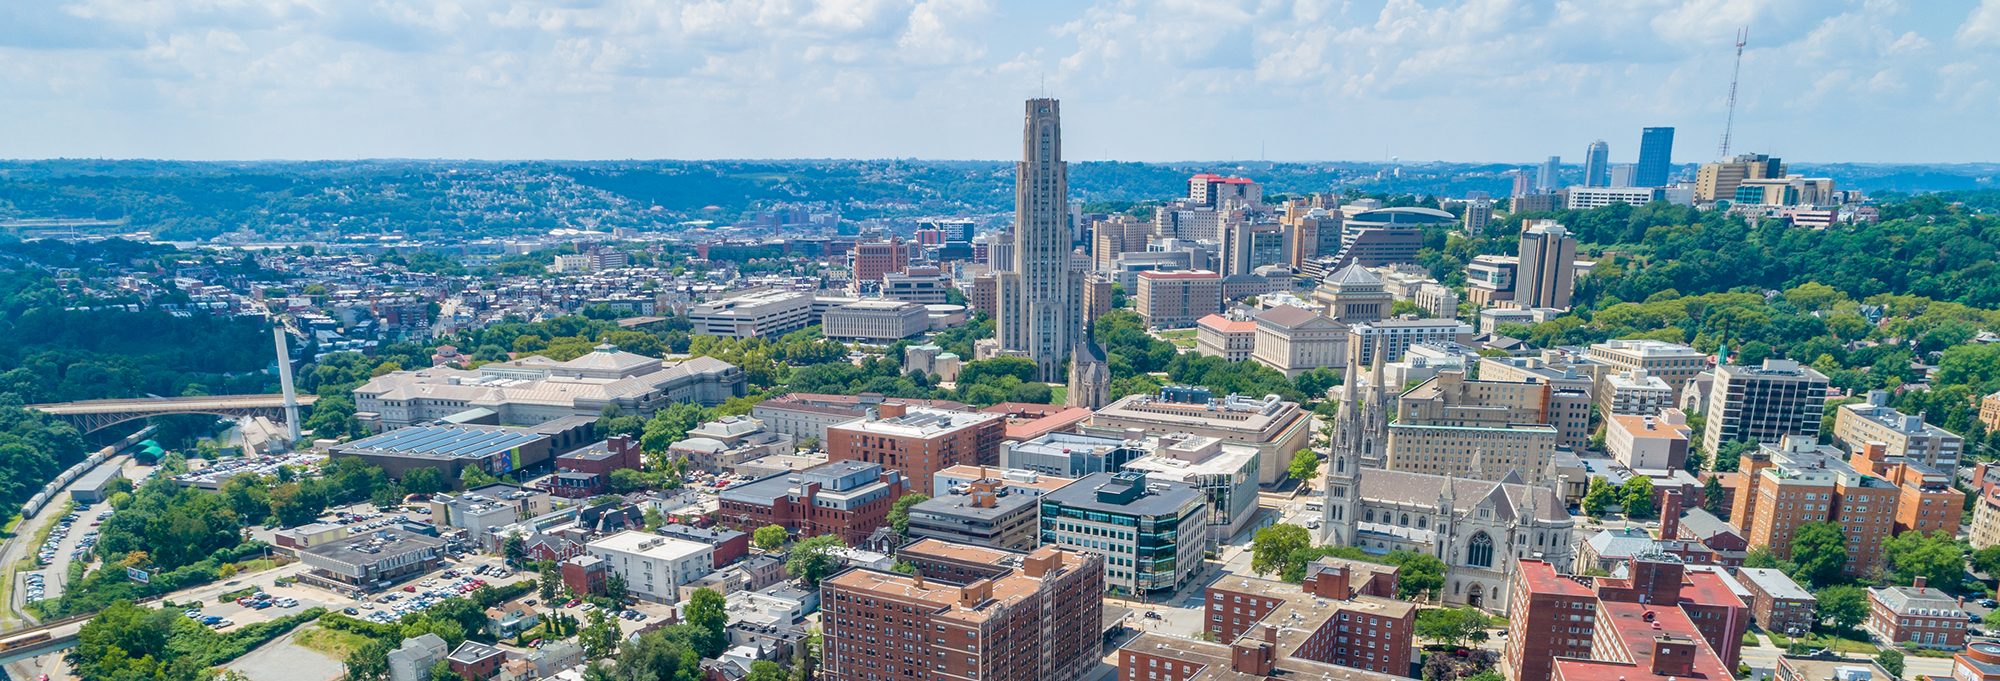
x: 1742, y: 36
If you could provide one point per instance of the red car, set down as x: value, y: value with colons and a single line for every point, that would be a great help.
x: 572, y: 603
x: 410, y: 589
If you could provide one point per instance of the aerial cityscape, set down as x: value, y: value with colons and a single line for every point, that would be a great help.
x: 1690, y: 390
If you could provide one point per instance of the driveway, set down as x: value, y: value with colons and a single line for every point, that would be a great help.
x: 283, y: 660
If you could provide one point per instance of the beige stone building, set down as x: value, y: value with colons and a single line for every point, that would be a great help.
x: 1177, y: 299
x: 1353, y: 294
x: 1483, y: 430
x: 1295, y: 340
x: 1671, y: 362
x: 1230, y: 339
x: 1905, y: 435
x: 1718, y: 181
x: 1634, y: 392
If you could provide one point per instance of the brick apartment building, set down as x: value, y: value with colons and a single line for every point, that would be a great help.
x: 846, y: 498
x: 730, y: 545
x: 585, y: 574
x: 1778, y: 603
x: 919, y: 441
x: 1871, y: 496
x: 587, y: 472
x: 1662, y: 613
x: 1037, y: 617
x: 1917, y: 616
x: 1365, y: 629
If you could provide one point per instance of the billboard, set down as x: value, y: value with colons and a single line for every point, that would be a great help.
x: 138, y: 575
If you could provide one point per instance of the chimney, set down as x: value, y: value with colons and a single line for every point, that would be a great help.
x: 1918, y: 583
x: 1270, y: 633
x: 1251, y: 658
x: 1673, y: 656
x: 890, y: 410
x: 1670, y: 515
x: 971, y: 595
x: 1331, y: 582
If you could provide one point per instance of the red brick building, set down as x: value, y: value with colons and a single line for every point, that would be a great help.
x: 730, y: 545
x: 1348, y: 607
x: 587, y: 472
x: 585, y: 574
x: 1040, y: 620
x: 475, y: 660
x: 1556, y: 618
x: 1777, y: 603
x: 919, y: 441
x: 1557, y: 613
x: 846, y: 498
x: 1917, y: 616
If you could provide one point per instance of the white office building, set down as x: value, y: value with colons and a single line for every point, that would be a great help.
x: 653, y: 566
x: 764, y: 314
x: 881, y: 321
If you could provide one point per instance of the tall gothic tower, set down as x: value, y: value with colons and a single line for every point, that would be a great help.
x: 1343, y: 468
x: 1373, y: 436
x: 1041, y: 297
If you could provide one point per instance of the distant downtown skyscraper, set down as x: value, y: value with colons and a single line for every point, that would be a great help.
x: 1551, y: 174
x: 1041, y: 298
x: 1597, y: 165
x: 1656, y: 151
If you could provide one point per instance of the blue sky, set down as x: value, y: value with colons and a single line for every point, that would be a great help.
x: 1148, y: 80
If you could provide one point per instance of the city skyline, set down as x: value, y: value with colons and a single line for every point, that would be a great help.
x: 1357, y: 82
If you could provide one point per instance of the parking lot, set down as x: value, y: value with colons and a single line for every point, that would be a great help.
x: 71, y: 539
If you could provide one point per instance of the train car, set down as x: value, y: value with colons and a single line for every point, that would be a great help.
x: 24, y: 640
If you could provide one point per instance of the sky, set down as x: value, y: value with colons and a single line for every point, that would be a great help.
x: 1513, y: 81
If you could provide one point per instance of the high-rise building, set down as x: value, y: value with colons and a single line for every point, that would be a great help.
x: 1597, y: 165
x: 1718, y: 181
x: 1547, y: 271
x: 1551, y: 174
x: 1656, y: 151
x: 1523, y: 182
x: 1478, y: 213
x: 995, y: 615
x: 919, y: 441
x: 1869, y: 496
x: 1623, y: 174
x: 1763, y: 403
x: 1904, y: 435
x: 1041, y: 296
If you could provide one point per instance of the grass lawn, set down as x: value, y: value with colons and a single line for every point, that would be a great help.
x: 1841, y: 645
x: 330, y: 642
x: 1058, y: 394
x: 1178, y: 333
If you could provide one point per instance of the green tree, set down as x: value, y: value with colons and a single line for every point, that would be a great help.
x: 1273, y: 546
x: 1760, y: 556
x: 1600, y: 495
x: 899, y: 514
x: 627, y: 481
x: 441, y: 671
x: 1821, y: 551
x: 770, y: 537
x: 708, y: 612
x: 600, y: 637
x: 1937, y: 558
x: 1305, y: 466
x: 370, y: 662
x: 1421, y: 574
x: 1713, y: 497
x: 1636, y: 495
x: 514, y: 547
x: 1451, y: 626
x: 813, y: 558
x: 1987, y: 560
x: 615, y: 587
x: 1891, y: 660
x: 1845, y: 606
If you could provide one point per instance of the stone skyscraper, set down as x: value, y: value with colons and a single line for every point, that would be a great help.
x: 1041, y: 295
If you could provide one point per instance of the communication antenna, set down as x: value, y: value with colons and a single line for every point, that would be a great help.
x: 1742, y: 37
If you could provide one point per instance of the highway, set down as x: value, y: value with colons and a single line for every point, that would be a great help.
x: 176, y: 403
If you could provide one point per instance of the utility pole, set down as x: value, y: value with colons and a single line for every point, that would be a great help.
x: 1742, y: 37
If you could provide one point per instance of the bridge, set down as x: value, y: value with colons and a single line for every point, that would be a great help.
x: 91, y: 415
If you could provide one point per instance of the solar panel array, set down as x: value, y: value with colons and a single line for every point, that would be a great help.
x: 446, y: 442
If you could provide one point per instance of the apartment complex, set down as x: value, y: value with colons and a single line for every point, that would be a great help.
x: 1547, y: 266
x: 1872, y: 498
x: 1151, y: 534
x: 1351, y: 601
x: 1648, y: 442
x: 1917, y: 616
x: 845, y: 498
x: 1634, y: 392
x: 1394, y: 337
x: 1660, y: 621
x: 919, y: 441
x: 1763, y: 403
x: 1906, y: 436
x: 1483, y: 430
x: 1296, y: 340
x: 1176, y: 299
x: 1778, y: 603
x: 763, y: 314
x: 1025, y: 617
x: 1273, y: 427
x: 1670, y: 362
x: 653, y: 566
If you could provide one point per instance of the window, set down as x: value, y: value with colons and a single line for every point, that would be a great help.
x: 1480, y: 553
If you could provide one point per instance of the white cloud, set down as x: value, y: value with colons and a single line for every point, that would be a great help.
x: 1150, y: 79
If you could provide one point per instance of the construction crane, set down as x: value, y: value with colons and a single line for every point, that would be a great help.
x: 1742, y: 37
